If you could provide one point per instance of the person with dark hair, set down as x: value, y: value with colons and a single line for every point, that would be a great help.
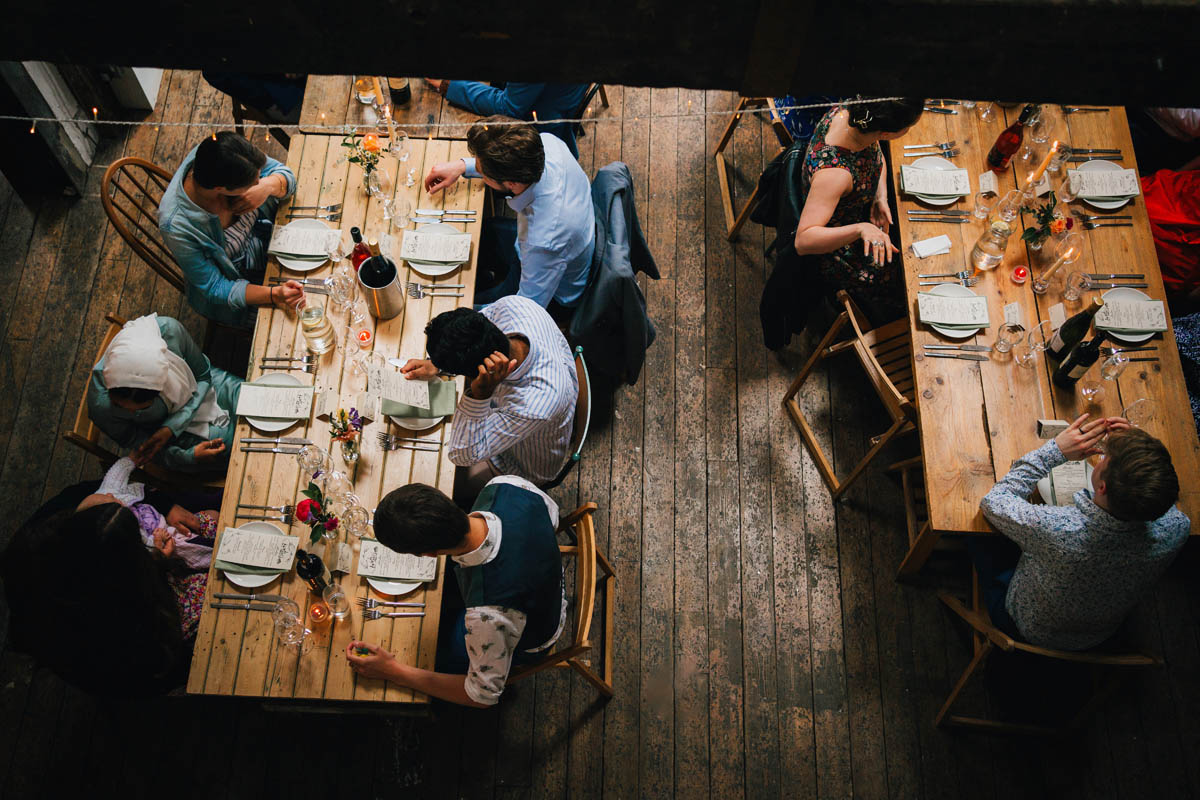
x: 846, y: 217
x: 1082, y: 567
x: 516, y: 415
x: 511, y: 604
x: 154, y: 391
x: 523, y: 101
x: 216, y: 217
x: 547, y: 255
x: 126, y: 626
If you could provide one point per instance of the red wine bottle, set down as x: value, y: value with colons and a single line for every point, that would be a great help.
x: 1071, y: 332
x: 361, y: 252
x: 311, y: 569
x: 1009, y: 141
x: 1078, y: 363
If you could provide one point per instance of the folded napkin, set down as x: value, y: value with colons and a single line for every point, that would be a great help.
x: 443, y: 397
x: 936, y: 246
x: 959, y: 313
x: 1107, y: 185
x: 242, y: 569
x: 1132, y: 316
x: 937, y: 183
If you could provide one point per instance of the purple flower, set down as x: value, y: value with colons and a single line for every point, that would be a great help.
x: 355, y: 420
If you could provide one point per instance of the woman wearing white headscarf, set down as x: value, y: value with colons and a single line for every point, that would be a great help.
x: 154, y: 391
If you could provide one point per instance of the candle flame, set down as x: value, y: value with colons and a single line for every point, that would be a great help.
x: 32, y: 125
x: 95, y: 113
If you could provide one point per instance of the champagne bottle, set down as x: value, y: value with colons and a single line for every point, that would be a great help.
x: 399, y: 90
x: 312, y: 571
x: 1078, y: 362
x: 1009, y: 140
x: 377, y: 271
x: 1073, y: 330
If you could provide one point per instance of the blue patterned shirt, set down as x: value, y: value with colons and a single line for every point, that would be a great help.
x: 525, y: 427
x: 1082, y: 570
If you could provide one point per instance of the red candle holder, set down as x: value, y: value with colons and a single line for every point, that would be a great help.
x: 365, y: 339
x: 319, y: 613
x: 1020, y: 274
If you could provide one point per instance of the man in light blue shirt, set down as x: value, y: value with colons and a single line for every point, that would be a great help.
x: 550, y: 192
x: 521, y: 101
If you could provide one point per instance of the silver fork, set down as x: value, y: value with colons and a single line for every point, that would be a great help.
x: 308, y: 367
x: 416, y: 292
x: 1079, y: 215
x: 285, y: 509
x: 390, y: 441
x: 962, y: 276
x: 307, y: 359
x: 286, y: 519
x: 945, y: 153
x: 1093, y: 225
x: 331, y: 217
x: 964, y: 282
x: 940, y: 145
x: 329, y: 208
x: 374, y: 613
x: 370, y: 602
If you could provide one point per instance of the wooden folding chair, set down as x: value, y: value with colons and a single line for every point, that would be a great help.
x: 922, y: 538
x: 734, y: 222
x: 589, y: 561
x: 986, y: 638
x: 583, y: 419
x: 886, y: 355
x: 85, y: 435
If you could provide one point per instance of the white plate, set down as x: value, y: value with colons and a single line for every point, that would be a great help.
x: 417, y: 423
x: 247, y: 580
x: 1130, y: 296
x: 431, y: 270
x: 303, y: 264
x: 1099, y: 165
x: 267, y: 425
x: 953, y: 290
x: 392, y: 587
x: 1043, y: 485
x: 935, y: 162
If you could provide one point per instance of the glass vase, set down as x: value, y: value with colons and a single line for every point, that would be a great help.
x: 350, y: 449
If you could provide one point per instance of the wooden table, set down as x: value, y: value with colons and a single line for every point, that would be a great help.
x: 333, y: 97
x: 977, y: 417
x: 236, y: 652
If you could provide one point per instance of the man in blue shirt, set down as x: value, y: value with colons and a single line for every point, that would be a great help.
x: 556, y: 224
x: 520, y: 101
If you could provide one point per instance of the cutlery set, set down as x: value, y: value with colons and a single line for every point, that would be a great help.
x: 311, y: 285
x: 965, y: 352
x: 333, y: 212
x: 950, y: 215
x: 419, y: 291
x: 306, y: 363
x: 266, y: 602
x: 390, y: 441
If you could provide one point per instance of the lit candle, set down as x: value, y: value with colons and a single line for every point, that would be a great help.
x: 1041, y: 170
x: 32, y: 125
x: 95, y: 113
x: 535, y: 116
x: 1068, y: 254
x: 365, y: 338
x: 319, y: 613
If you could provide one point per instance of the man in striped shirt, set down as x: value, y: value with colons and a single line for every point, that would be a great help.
x: 517, y: 413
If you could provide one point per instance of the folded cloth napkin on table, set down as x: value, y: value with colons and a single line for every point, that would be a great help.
x: 442, y: 400
x: 936, y: 246
x: 242, y: 569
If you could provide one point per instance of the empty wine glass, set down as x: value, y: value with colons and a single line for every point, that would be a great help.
x: 292, y: 633
x: 1139, y: 413
x: 1114, y: 365
x: 333, y: 249
x: 411, y: 179
x: 983, y: 204
x: 1010, y: 207
x: 1007, y: 335
x: 1040, y: 335
x: 1042, y: 124
x: 341, y: 289
x: 401, y: 211
x: 354, y: 520
x: 1025, y: 355
x: 285, y: 608
x: 358, y: 313
x: 968, y: 104
x: 987, y: 111
x: 1059, y: 160
x: 312, y: 459
x: 1066, y: 192
x: 336, y: 484
x: 399, y: 146
x: 1077, y: 283
x: 1092, y: 392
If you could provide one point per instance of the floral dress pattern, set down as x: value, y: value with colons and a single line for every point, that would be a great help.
x: 877, y: 287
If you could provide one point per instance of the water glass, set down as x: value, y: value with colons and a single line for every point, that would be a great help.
x: 1065, y: 192
x: 354, y: 520
x: 312, y: 459
x: 337, y: 601
x: 364, y: 89
x: 1114, y: 365
x: 1042, y: 124
x: 1006, y: 336
x: 399, y: 146
x: 1058, y: 161
x: 983, y: 204
x: 401, y: 211
x: 987, y: 111
x: 1077, y: 283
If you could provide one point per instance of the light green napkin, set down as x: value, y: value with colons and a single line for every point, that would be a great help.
x: 242, y: 569
x: 442, y: 399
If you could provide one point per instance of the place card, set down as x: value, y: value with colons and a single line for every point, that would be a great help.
x: 377, y: 561
x: 988, y: 183
x: 421, y: 246
x: 289, y: 240
x: 1058, y: 315
x: 390, y: 384
x: 1132, y: 316
x: 1097, y: 185
x: 275, y: 402
x: 342, y: 558
x: 1049, y: 428
x: 329, y: 401
x: 947, y: 182
x: 1013, y: 315
x: 936, y: 246
x: 257, y: 549
x: 952, y: 312
x: 1065, y: 480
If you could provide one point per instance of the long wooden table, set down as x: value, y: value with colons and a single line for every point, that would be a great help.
x: 330, y: 100
x: 977, y: 417
x: 236, y: 652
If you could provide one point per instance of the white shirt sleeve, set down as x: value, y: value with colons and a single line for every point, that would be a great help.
x: 491, y: 639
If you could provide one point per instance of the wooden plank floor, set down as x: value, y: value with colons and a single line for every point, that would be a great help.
x: 762, y: 646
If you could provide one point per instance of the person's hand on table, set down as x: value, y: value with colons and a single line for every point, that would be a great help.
x: 291, y: 294
x: 182, y: 519
x: 492, y: 371
x: 370, y: 660
x: 419, y: 369
x: 208, y: 451
x: 148, y: 449
x: 881, y: 214
x: 1081, y: 439
x: 876, y: 244
x: 439, y: 86
x: 443, y: 175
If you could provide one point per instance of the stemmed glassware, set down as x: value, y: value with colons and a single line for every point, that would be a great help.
x: 354, y: 520
x: 1006, y: 336
x: 1139, y: 413
x: 312, y: 459
x: 1039, y: 338
x: 983, y: 204
x: 1092, y: 391
x: 987, y: 111
x: 289, y: 628
x: 341, y: 289
x: 1077, y: 283
x: 399, y: 146
x: 1010, y: 207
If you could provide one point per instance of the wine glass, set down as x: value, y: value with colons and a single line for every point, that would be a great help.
x: 1040, y: 335
x: 410, y: 180
x: 1092, y: 392
x: 364, y: 89
x: 341, y: 289
x: 399, y: 146
x: 292, y: 633
x: 983, y: 204
x: 358, y: 312
x: 401, y: 211
x: 1006, y: 336
x: 968, y: 104
x: 285, y: 608
x: 1025, y: 354
x: 987, y: 111
x: 1066, y: 193
x: 1077, y: 283
x: 354, y: 520
x: 336, y: 485
x: 312, y: 459
x: 1042, y: 124
x: 1010, y: 206
x: 1114, y: 365
x: 1139, y: 413
x: 1059, y: 160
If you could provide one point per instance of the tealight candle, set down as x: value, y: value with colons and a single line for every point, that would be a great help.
x: 1020, y: 274
x: 365, y: 339
x: 318, y: 613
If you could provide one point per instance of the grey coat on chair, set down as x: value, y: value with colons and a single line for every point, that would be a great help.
x: 610, y: 321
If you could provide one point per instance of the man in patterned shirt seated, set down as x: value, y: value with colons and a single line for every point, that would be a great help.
x: 1082, y: 567
x: 511, y: 601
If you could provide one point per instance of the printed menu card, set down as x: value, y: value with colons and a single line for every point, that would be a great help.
x: 377, y: 561
x: 1133, y: 316
x: 275, y: 402
x: 422, y: 246
x: 257, y: 549
x: 289, y: 240
x: 952, y: 312
x: 1110, y: 183
x: 391, y: 384
x: 1067, y: 479
x: 947, y: 182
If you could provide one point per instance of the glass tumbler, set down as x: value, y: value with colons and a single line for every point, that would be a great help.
x: 1006, y: 336
x: 336, y: 599
x: 1077, y: 283
x: 983, y: 204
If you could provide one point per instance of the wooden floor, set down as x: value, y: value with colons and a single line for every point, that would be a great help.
x: 762, y: 646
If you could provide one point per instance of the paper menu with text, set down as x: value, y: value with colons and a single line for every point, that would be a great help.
x: 257, y: 549
x: 275, y: 402
x: 377, y: 561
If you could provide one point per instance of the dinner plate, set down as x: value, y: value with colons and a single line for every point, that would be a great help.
x: 245, y: 579
x: 434, y: 269
x: 1131, y: 296
x: 1099, y: 165
x: 935, y: 162
x: 392, y: 587
x: 303, y: 264
x: 1043, y: 485
x: 417, y: 423
x: 953, y: 290
x: 269, y: 424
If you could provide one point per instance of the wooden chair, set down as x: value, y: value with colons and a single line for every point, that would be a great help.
x: 735, y: 221
x: 583, y: 419
x: 131, y: 191
x: 589, y: 561
x: 85, y: 435
x: 987, y: 638
x: 886, y: 355
x: 243, y: 112
x: 922, y: 538
x: 593, y: 90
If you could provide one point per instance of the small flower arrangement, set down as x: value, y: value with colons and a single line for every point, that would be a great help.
x: 311, y: 511
x: 1048, y: 222
x: 364, y: 151
x: 345, y: 427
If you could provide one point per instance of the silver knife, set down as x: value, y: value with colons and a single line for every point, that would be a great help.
x: 1079, y: 159
x: 244, y: 606
x: 285, y: 451
x: 1104, y: 276
x: 1154, y: 358
x: 964, y: 356
x: 945, y: 212
x: 951, y: 220
x: 936, y: 110
x: 1108, y: 224
x: 279, y: 440
x: 247, y: 597
x: 1094, y: 150
x: 301, y: 281
x: 979, y: 348
x: 1118, y: 285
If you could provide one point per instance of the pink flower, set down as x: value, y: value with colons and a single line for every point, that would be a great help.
x: 331, y: 523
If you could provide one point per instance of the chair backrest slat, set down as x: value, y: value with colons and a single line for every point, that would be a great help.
x: 152, y: 250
